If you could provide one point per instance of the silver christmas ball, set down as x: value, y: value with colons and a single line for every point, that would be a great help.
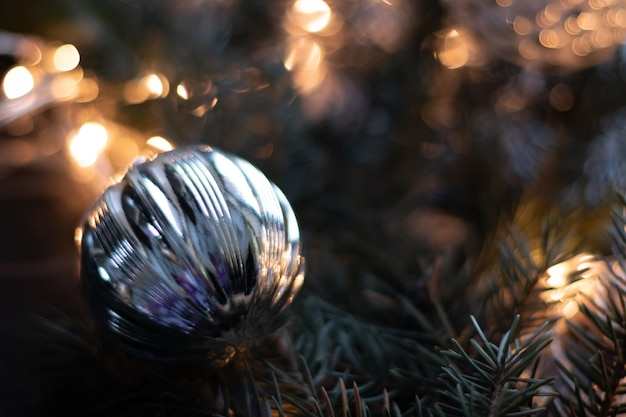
x: 190, y: 252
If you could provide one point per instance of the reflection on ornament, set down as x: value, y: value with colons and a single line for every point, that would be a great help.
x: 189, y: 251
x: 564, y: 35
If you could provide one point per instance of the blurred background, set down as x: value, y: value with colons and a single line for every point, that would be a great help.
x: 400, y: 130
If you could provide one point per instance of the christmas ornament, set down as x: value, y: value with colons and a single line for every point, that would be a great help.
x: 188, y: 254
x: 561, y: 35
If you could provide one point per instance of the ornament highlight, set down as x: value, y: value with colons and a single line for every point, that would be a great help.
x: 192, y: 252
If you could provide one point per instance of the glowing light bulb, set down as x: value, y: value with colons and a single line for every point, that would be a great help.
x: 160, y: 144
x: 66, y: 58
x: 88, y: 143
x: 18, y: 82
x: 311, y: 15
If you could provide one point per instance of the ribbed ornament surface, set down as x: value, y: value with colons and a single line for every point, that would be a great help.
x: 192, y: 249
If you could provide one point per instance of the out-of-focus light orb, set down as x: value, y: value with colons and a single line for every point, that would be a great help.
x: 549, y: 38
x: 454, y: 52
x: 63, y: 88
x: 88, y: 90
x: 153, y: 84
x: 66, y: 58
x: 150, y: 86
x: 182, y: 92
x: 88, y: 143
x: 521, y: 25
x: 29, y: 52
x: 160, y: 144
x: 588, y: 21
x: 311, y: 15
x: 17, y: 82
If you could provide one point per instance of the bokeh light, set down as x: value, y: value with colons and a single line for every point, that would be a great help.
x: 306, y: 59
x: 66, y: 58
x: 148, y: 87
x: 88, y: 143
x: 311, y: 15
x: 182, y: 92
x: 17, y: 82
x: 454, y: 52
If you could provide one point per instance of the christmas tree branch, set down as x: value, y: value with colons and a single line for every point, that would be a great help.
x: 495, y: 381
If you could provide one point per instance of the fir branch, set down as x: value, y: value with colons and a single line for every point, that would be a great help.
x: 495, y: 381
x: 336, y: 344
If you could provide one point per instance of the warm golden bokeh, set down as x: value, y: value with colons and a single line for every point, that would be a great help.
x: 17, y: 82
x: 88, y: 143
x: 569, y: 34
x: 66, y: 58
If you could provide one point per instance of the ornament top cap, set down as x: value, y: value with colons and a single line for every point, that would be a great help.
x: 191, y: 247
